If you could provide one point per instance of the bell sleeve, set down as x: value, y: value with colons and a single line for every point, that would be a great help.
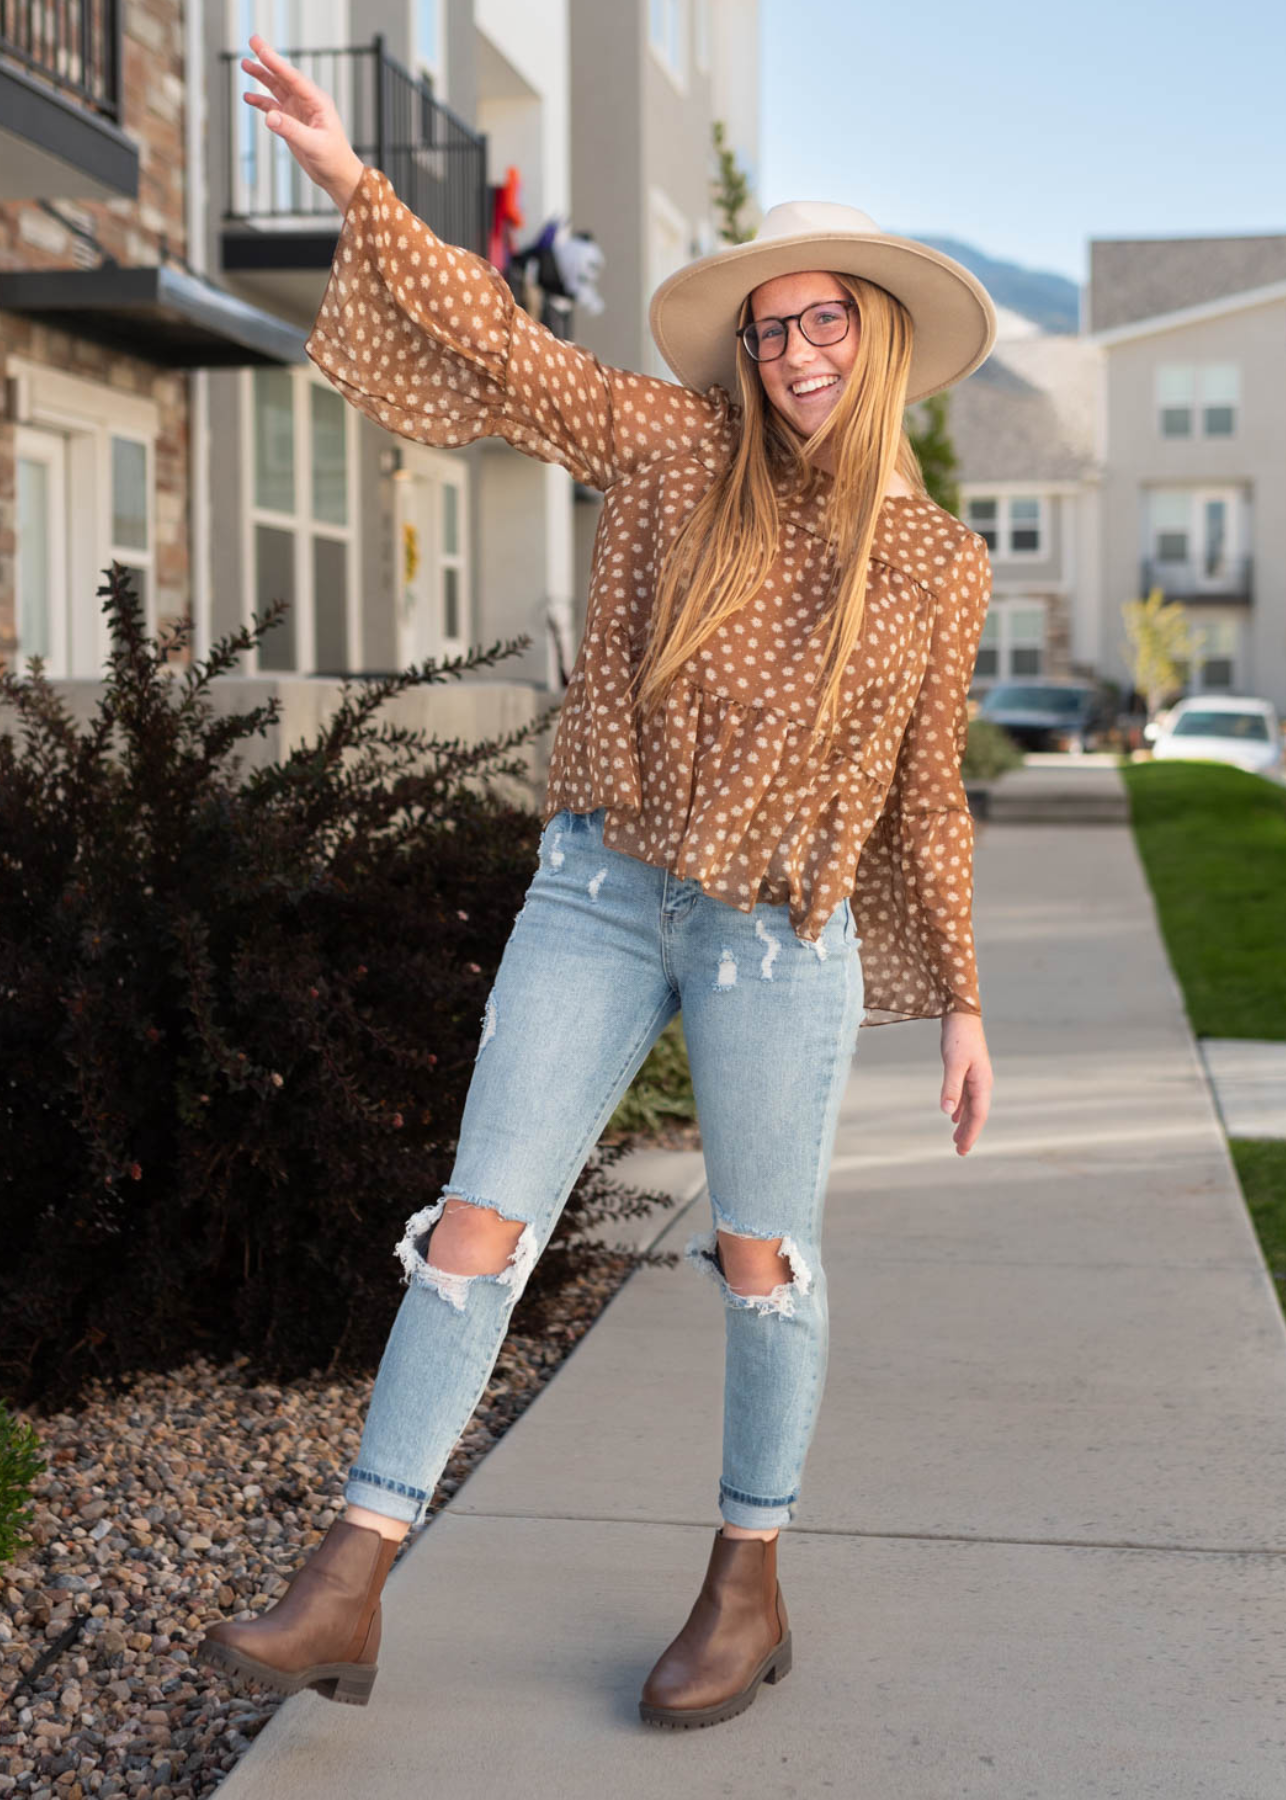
x: 913, y: 894
x: 427, y: 340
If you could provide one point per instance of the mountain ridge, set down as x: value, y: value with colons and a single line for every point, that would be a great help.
x: 1050, y: 301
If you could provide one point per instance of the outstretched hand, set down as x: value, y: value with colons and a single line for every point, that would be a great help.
x: 966, y: 1077
x: 304, y: 117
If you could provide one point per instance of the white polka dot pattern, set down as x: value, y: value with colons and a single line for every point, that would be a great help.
x: 722, y: 785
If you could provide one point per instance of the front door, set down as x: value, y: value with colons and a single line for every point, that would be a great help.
x: 432, y: 593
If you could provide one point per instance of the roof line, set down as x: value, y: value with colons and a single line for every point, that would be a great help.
x: 1189, y: 315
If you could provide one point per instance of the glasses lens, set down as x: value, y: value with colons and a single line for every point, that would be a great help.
x: 766, y: 339
x: 826, y: 323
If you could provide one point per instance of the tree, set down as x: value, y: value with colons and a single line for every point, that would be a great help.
x: 1159, y: 638
x: 932, y: 444
x: 731, y: 190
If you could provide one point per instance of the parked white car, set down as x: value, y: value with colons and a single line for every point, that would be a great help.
x: 1228, y: 728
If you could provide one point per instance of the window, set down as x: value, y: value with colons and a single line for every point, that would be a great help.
x: 1195, y: 540
x: 131, y: 525
x: 1009, y: 525
x: 428, y: 41
x: 667, y: 34
x: 300, y: 521
x: 83, y: 489
x: 1219, y: 397
x: 1013, y: 640
x: 1192, y: 396
x: 1213, y: 668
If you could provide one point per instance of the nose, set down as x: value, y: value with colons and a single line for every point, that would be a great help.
x: 798, y: 352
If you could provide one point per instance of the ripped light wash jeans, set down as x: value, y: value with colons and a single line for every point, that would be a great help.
x: 604, y: 952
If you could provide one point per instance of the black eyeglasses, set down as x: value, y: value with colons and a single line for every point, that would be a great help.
x: 821, y: 324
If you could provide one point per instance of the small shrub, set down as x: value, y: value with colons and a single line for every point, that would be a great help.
x: 240, y: 1014
x: 20, y: 1464
x: 989, y: 751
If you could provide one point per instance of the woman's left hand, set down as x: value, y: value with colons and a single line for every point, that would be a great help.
x: 966, y: 1077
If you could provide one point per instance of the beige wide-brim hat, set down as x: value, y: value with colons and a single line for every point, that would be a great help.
x: 694, y: 312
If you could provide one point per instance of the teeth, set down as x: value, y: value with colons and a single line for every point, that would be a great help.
x: 817, y: 381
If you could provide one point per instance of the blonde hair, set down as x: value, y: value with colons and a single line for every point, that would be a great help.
x: 725, y: 548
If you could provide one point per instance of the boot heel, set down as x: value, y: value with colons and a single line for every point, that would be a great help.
x: 781, y: 1667
x: 351, y: 1690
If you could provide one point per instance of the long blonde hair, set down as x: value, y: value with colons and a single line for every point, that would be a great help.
x: 724, y: 550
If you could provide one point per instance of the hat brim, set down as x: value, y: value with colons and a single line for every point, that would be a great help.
x: 693, y: 313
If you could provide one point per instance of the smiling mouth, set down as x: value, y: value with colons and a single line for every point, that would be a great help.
x: 806, y: 390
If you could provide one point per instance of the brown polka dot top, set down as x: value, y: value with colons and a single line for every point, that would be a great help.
x: 722, y: 785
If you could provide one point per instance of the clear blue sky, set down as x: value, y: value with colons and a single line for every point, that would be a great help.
x: 1026, y: 130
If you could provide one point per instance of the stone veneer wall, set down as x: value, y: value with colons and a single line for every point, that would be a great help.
x: 132, y: 231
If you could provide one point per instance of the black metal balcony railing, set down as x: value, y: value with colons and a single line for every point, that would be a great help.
x: 1190, y: 579
x: 436, y: 163
x: 75, y: 45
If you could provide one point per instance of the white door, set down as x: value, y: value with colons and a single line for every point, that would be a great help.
x: 41, y: 561
x: 432, y: 584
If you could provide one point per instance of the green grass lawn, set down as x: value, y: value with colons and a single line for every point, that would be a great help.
x: 1213, y: 844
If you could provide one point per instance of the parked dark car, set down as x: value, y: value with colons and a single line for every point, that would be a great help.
x: 1046, y: 714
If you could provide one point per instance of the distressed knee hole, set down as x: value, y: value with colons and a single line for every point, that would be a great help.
x: 703, y: 1251
x: 468, y: 1248
x: 597, y: 883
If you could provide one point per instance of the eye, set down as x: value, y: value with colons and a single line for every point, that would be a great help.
x: 768, y: 330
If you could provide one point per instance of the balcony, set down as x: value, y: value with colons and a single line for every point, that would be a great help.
x: 1228, y: 583
x: 60, y: 103
x: 279, y: 229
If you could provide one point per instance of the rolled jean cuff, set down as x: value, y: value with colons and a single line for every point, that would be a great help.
x: 394, y: 1499
x: 754, y: 1515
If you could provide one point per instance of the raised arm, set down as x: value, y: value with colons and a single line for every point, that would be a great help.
x: 427, y: 339
x: 913, y: 900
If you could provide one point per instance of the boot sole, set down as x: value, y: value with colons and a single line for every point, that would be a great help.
x: 348, y: 1683
x: 774, y: 1668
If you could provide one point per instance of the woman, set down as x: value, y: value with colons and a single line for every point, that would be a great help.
x: 756, y: 772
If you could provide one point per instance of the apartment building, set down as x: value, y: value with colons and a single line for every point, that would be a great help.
x: 1025, y: 430
x: 649, y: 79
x: 1193, y: 337
x: 162, y: 259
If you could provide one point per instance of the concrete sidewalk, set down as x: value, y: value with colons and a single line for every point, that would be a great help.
x: 1041, y: 1553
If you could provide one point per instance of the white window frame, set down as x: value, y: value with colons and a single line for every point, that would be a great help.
x: 1236, y: 542
x: 435, y: 64
x: 1193, y: 670
x: 674, y: 22
x: 301, y: 523
x: 439, y: 469
x: 1002, y: 610
x: 1195, y: 377
x: 88, y: 415
x: 1005, y: 526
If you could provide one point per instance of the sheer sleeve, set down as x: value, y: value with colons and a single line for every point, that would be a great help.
x: 428, y: 340
x: 913, y: 896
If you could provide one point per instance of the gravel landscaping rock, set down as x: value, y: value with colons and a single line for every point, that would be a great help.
x: 187, y: 1498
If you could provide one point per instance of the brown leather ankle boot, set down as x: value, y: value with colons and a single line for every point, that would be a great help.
x: 737, y: 1635
x: 324, y: 1632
